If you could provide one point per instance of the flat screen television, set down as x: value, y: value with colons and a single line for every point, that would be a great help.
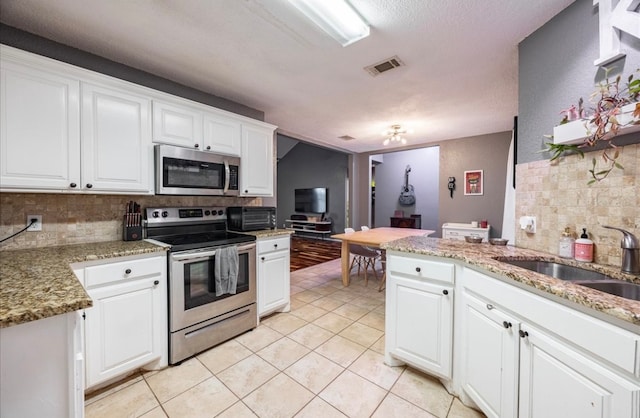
x: 311, y: 200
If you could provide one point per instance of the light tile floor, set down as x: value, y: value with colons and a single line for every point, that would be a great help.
x: 322, y: 359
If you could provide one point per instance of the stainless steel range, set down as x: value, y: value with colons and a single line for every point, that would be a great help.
x: 212, y: 292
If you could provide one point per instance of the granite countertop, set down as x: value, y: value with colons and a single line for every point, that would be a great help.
x: 39, y: 283
x: 264, y: 233
x: 487, y: 257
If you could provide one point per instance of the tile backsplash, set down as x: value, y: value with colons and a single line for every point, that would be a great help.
x: 558, y: 195
x: 79, y: 218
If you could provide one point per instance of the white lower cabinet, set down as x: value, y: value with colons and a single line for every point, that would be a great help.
x: 273, y: 275
x: 127, y: 326
x: 525, y: 356
x: 419, y: 313
x: 491, y: 345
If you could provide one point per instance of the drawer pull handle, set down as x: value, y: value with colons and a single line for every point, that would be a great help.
x: 523, y: 334
x: 127, y: 271
x: 506, y: 324
x: 445, y: 292
x: 490, y: 306
x: 156, y: 282
x: 418, y: 269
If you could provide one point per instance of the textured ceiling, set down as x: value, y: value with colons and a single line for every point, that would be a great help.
x: 460, y: 77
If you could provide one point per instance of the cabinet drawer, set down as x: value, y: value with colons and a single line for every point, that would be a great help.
x: 123, y: 270
x: 273, y: 244
x: 421, y: 268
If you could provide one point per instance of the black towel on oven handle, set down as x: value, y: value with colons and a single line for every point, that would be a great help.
x: 225, y: 270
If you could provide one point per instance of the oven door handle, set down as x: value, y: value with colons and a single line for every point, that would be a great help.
x: 227, y: 175
x: 193, y: 256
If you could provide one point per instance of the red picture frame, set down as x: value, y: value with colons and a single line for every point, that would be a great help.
x: 474, y: 183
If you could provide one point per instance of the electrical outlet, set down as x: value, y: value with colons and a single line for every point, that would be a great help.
x: 36, y: 226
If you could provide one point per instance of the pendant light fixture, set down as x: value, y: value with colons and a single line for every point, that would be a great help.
x: 336, y: 17
x: 395, y: 135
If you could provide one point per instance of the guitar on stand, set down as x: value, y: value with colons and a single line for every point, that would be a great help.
x: 407, y: 194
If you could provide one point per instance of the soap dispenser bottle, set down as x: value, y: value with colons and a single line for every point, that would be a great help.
x: 584, y: 247
x: 566, y: 244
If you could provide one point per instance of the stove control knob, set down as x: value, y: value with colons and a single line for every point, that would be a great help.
x: 207, y: 212
x: 155, y: 214
x: 165, y: 213
x: 220, y: 212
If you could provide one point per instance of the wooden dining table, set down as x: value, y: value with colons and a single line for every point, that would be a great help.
x: 373, y: 237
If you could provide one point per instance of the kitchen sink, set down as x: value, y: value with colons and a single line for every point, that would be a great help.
x: 620, y: 288
x: 580, y: 276
x: 557, y: 270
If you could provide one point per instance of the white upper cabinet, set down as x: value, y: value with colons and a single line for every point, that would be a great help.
x: 116, y: 140
x: 176, y: 124
x: 256, y: 163
x: 222, y: 134
x: 48, y: 147
x: 40, y: 127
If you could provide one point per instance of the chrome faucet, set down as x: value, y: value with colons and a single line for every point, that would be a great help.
x: 630, y: 251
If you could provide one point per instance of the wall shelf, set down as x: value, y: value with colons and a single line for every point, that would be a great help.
x: 576, y: 131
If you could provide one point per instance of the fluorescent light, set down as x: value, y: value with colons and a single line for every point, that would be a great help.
x: 336, y: 17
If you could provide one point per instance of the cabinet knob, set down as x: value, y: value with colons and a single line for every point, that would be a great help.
x: 197, y: 145
x: 89, y: 185
x: 445, y: 292
x: 208, y: 147
x: 156, y: 282
x: 262, y: 258
x: 418, y: 269
x: 489, y: 306
x: 127, y: 271
x: 506, y: 324
x: 523, y: 334
x: 246, y: 191
x: 73, y: 185
x: 275, y: 245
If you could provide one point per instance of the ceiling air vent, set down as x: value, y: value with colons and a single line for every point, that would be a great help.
x: 383, y: 66
x: 346, y: 138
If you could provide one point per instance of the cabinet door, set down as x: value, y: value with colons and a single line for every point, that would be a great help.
x: 256, y: 163
x: 124, y: 328
x: 177, y: 125
x: 116, y: 140
x: 273, y: 281
x: 419, y: 324
x: 557, y: 381
x: 40, y: 128
x: 490, y: 358
x: 222, y: 134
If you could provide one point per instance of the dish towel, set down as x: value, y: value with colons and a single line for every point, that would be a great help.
x: 225, y: 270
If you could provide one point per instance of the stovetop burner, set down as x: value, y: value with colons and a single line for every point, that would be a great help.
x: 191, y: 228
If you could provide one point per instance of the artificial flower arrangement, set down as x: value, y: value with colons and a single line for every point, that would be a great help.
x: 604, y: 122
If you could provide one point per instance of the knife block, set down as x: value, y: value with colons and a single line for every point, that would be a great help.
x: 131, y: 233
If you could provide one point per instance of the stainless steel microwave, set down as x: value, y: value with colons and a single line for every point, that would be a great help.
x: 183, y: 171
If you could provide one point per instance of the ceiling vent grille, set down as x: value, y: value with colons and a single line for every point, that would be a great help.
x: 346, y: 138
x: 384, y: 66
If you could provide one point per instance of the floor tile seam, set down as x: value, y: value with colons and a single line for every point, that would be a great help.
x: 269, y: 380
x: 189, y: 388
x: 367, y: 378
x: 407, y: 367
x: 340, y: 374
x: 276, y: 366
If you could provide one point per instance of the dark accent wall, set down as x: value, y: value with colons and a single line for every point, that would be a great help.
x: 307, y: 166
x: 556, y: 69
x: 32, y: 43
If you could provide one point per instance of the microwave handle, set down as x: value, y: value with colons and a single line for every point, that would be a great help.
x: 227, y: 175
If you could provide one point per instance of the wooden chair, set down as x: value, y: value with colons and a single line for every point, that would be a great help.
x: 363, y: 257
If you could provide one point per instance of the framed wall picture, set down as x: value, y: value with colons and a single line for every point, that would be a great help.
x: 474, y: 182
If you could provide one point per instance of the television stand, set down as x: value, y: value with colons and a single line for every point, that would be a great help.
x: 321, y: 228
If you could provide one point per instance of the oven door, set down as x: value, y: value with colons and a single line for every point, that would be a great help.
x: 192, y: 297
x: 181, y: 171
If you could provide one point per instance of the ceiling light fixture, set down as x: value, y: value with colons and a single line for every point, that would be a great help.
x: 336, y: 17
x: 395, y: 135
